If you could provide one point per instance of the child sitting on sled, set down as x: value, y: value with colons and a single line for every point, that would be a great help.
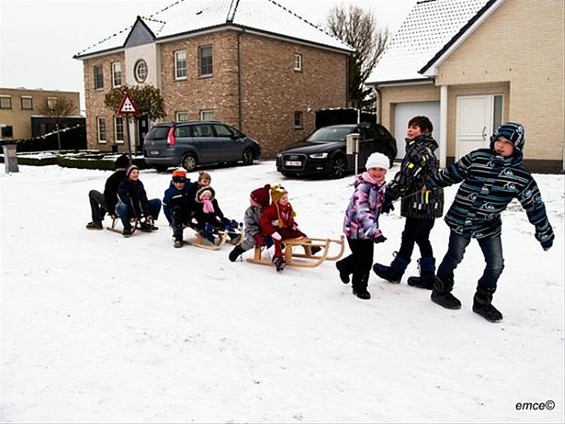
x: 208, y: 218
x: 178, y: 204
x: 259, y: 200
x: 277, y: 221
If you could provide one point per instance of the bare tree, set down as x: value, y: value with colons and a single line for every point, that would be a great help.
x: 358, y: 28
x: 56, y: 110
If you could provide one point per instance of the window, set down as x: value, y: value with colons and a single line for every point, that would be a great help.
x: 222, y: 131
x: 5, y: 102
x: 98, y: 77
x: 297, y: 62
x: 119, y: 129
x: 497, y: 111
x: 181, y: 116
x: 207, y: 115
x: 298, y: 119
x: 140, y: 71
x: 202, y: 130
x: 101, y: 123
x: 7, y: 131
x: 205, y: 60
x: 27, y: 103
x: 116, y: 74
x: 180, y: 65
x: 51, y: 102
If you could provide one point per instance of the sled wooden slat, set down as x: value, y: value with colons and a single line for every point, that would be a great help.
x: 306, y: 259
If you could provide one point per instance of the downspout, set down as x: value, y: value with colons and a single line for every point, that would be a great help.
x: 378, y: 103
x: 239, y: 105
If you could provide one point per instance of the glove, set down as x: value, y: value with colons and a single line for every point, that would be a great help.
x: 546, y: 244
x: 276, y: 236
x: 379, y: 239
x: 387, y: 206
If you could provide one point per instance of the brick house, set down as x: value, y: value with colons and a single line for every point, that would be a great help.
x: 252, y: 64
x: 470, y: 65
x: 20, y: 106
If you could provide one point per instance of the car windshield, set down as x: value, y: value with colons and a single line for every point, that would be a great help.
x: 329, y: 134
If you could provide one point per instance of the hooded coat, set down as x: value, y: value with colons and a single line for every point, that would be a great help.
x: 489, y: 182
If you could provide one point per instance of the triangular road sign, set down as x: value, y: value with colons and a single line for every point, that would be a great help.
x: 127, y: 105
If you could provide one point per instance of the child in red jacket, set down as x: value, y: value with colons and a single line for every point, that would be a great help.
x: 277, y: 221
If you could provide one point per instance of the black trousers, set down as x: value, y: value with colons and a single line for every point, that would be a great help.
x: 97, y: 205
x: 416, y: 231
x: 359, y: 262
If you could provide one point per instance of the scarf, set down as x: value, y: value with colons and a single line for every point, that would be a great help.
x: 207, y: 206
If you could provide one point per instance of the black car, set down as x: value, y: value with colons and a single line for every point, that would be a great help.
x: 323, y: 152
x: 193, y: 143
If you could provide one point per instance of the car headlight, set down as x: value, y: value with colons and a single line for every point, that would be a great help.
x: 318, y: 155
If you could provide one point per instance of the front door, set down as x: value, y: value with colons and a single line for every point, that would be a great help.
x: 477, y: 116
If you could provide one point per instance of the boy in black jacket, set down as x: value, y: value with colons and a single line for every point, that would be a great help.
x: 490, y: 179
x: 133, y: 203
x: 419, y: 206
x: 100, y: 204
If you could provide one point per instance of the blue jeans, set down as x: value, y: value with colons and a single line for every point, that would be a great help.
x: 123, y: 211
x: 492, y: 252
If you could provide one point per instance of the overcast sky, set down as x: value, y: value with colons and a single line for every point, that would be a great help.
x: 38, y: 39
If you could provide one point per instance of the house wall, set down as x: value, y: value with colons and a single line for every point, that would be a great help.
x: 519, y: 48
x: 517, y: 52
x: 20, y: 119
x: 271, y: 91
x: 94, y: 99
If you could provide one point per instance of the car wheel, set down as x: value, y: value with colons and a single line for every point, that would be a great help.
x: 189, y: 162
x: 248, y: 157
x: 338, y: 167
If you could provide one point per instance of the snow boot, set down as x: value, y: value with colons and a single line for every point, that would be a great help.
x: 94, y: 225
x: 359, y: 284
x: 482, y: 304
x: 441, y: 293
x: 427, y: 273
x: 127, y: 232
x: 234, y: 254
x: 343, y: 273
x: 178, y: 243
x: 279, y: 264
x: 394, y: 272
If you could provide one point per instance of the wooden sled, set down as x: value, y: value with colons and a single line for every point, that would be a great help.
x: 204, y: 243
x: 307, y: 259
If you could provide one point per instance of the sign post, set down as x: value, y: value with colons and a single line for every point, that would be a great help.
x: 352, y: 148
x: 127, y: 108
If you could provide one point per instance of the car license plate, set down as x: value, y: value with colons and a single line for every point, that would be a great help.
x: 154, y: 152
x: 293, y: 163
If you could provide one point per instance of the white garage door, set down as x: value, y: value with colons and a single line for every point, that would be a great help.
x: 406, y: 111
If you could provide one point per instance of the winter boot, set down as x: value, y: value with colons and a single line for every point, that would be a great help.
x: 427, y: 273
x: 279, y: 264
x: 127, y: 232
x: 482, y: 304
x: 441, y: 293
x: 360, y: 286
x: 343, y: 273
x: 394, y: 272
x: 234, y: 254
x: 94, y: 225
x: 178, y: 243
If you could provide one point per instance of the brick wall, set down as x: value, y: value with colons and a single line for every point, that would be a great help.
x: 271, y: 91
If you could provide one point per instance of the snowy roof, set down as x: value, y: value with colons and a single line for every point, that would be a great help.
x: 429, y: 30
x: 188, y: 16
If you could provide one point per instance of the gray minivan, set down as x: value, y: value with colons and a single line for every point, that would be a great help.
x: 193, y: 143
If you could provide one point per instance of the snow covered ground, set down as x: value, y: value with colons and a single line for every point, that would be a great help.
x: 99, y: 328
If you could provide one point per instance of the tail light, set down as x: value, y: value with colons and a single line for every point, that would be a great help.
x: 171, y: 140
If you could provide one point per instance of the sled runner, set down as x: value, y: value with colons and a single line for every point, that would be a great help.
x: 220, y: 238
x: 135, y: 225
x: 292, y: 252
